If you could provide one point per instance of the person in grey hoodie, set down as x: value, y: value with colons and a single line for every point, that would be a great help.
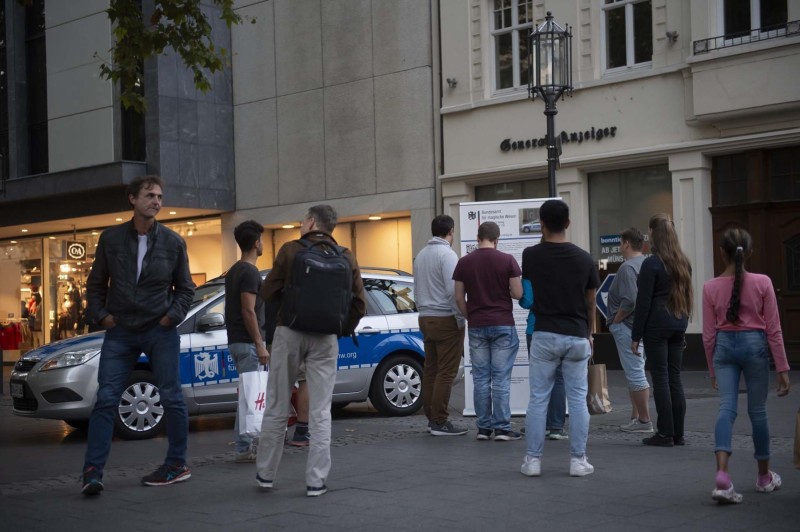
x: 441, y: 324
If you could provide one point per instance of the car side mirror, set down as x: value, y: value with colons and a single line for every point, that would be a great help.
x: 211, y: 321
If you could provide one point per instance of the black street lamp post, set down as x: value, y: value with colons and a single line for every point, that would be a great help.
x: 550, y: 76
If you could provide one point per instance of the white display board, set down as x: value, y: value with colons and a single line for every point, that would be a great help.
x: 519, y: 228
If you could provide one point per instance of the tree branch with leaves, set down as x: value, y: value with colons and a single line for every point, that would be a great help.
x: 178, y: 24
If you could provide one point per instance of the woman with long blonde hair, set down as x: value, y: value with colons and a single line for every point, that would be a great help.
x: 663, y: 309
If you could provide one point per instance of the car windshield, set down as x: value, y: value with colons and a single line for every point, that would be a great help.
x: 206, y: 292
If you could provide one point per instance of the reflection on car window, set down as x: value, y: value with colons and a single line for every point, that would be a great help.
x: 205, y: 292
x: 393, y: 297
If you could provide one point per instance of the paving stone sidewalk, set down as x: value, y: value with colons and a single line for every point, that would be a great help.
x: 390, y: 474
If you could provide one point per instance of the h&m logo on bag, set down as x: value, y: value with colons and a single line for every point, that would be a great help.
x: 259, y: 402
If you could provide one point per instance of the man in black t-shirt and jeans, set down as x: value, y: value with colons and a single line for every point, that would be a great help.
x: 244, y: 318
x: 564, y: 279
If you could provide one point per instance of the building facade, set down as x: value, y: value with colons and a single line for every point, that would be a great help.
x: 688, y: 107
x: 69, y: 149
x: 323, y: 102
x: 335, y: 102
x: 393, y: 111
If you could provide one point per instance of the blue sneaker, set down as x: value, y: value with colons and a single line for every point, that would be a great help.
x: 167, y: 474
x: 92, y: 481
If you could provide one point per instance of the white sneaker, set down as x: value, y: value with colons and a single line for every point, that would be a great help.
x: 247, y: 457
x: 580, y: 467
x: 531, y: 466
x: 637, y: 426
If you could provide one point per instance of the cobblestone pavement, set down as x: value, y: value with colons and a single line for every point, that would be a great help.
x: 390, y: 473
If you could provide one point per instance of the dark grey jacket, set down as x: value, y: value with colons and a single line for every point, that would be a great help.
x: 164, y: 287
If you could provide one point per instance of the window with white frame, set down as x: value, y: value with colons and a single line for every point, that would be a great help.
x: 627, y: 33
x: 743, y: 18
x: 511, y: 23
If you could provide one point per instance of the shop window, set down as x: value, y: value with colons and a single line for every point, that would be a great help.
x: 36, y: 85
x: 627, y: 30
x: 71, y: 260
x: 530, y: 189
x: 743, y: 18
x: 21, y: 294
x: 785, y: 174
x: 620, y: 199
x: 511, y: 23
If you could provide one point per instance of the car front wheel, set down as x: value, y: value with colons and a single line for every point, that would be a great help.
x: 140, y: 414
x: 397, y: 386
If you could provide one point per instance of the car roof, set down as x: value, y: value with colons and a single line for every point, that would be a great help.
x: 390, y: 274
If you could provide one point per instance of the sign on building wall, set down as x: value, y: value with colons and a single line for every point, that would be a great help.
x: 519, y: 228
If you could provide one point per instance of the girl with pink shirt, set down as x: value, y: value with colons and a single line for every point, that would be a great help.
x: 741, y: 327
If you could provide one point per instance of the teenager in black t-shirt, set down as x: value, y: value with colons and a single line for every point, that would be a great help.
x: 565, y: 281
x: 244, y: 318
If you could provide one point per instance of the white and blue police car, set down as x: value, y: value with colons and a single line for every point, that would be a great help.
x: 59, y: 380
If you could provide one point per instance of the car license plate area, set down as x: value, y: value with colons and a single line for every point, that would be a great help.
x: 17, y: 390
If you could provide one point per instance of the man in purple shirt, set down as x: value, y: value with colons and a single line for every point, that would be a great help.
x: 486, y: 280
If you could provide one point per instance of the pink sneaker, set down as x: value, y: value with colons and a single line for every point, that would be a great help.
x: 773, y: 484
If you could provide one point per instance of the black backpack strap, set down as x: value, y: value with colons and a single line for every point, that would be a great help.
x: 308, y: 244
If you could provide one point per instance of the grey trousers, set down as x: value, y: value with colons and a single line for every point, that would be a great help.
x: 319, y: 352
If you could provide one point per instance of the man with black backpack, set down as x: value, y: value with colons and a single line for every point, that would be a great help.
x: 321, y: 295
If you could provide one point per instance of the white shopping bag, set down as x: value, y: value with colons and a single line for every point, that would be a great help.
x: 252, y: 401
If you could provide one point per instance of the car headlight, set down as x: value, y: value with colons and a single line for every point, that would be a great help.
x: 70, y: 358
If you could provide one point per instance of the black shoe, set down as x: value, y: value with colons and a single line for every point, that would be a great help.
x: 679, y: 441
x: 92, y: 481
x: 506, y: 435
x: 167, y: 474
x: 484, y: 434
x: 659, y: 440
x: 311, y: 491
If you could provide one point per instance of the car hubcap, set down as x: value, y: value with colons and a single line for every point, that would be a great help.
x: 402, y: 385
x: 140, y: 407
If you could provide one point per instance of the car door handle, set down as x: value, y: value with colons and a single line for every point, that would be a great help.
x: 369, y: 330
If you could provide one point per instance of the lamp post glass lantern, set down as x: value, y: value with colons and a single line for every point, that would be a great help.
x: 550, y: 77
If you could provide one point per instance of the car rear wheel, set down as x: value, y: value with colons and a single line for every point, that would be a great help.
x: 397, y: 386
x: 140, y: 414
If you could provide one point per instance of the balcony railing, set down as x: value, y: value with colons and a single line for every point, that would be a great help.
x: 788, y: 29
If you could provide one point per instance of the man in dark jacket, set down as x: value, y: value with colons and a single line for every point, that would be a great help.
x: 139, y: 291
x: 290, y: 349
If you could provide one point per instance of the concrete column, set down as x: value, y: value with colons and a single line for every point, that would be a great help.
x: 453, y: 193
x: 691, y: 200
x: 573, y: 186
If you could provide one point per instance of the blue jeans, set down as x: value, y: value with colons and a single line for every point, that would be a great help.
x: 632, y: 364
x: 665, y: 356
x: 548, y: 352
x: 557, y: 407
x: 492, y: 351
x: 246, y: 360
x: 118, y: 357
x: 742, y: 353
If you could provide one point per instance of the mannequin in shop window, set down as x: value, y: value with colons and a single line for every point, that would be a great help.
x: 34, y: 313
x: 64, y: 317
